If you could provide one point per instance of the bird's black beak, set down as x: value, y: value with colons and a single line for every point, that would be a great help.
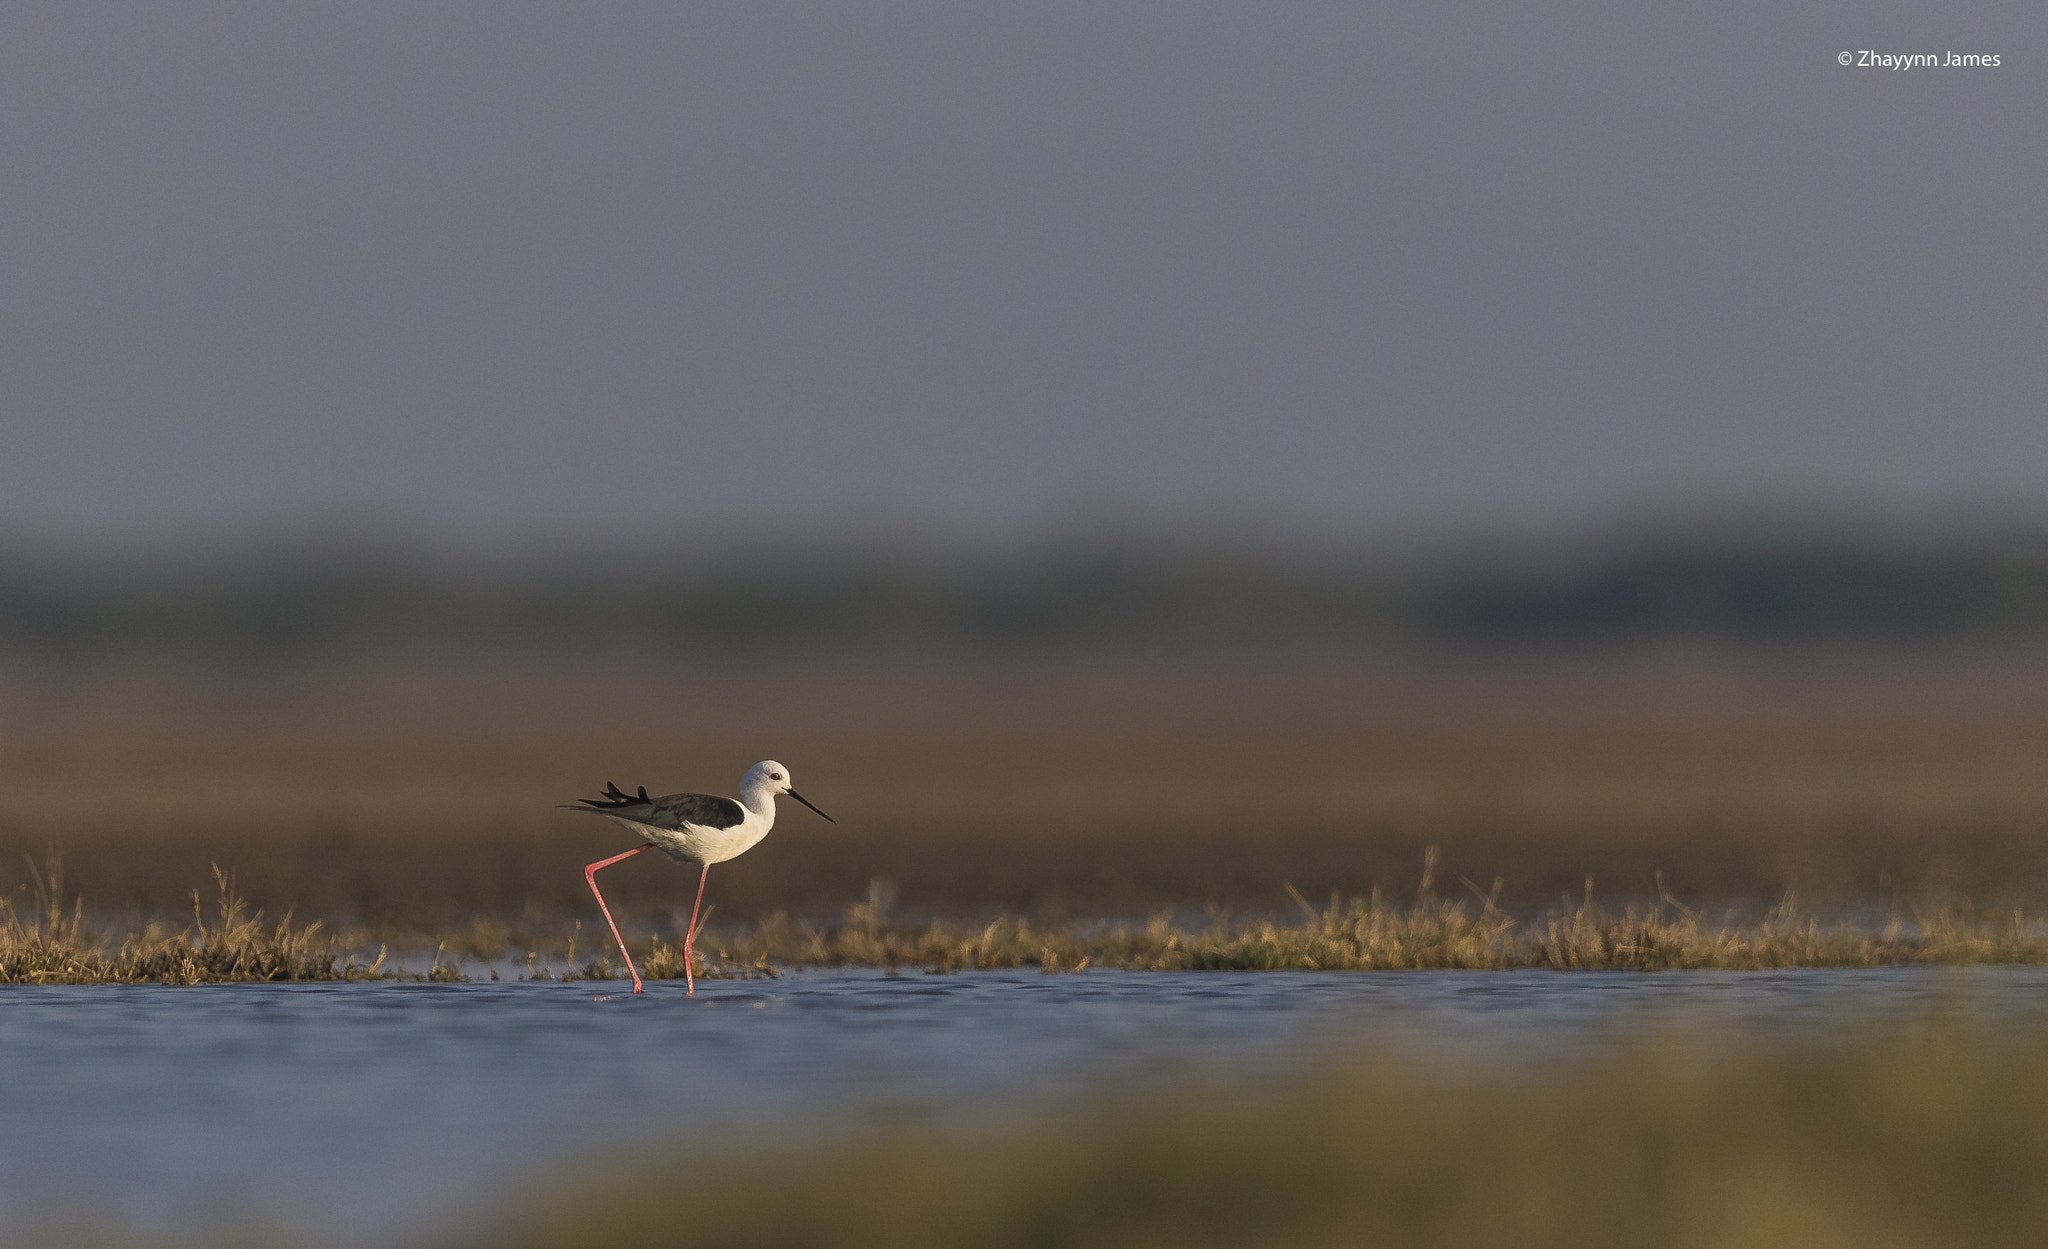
x: 807, y: 802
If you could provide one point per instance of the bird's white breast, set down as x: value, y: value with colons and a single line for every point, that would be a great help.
x: 693, y: 843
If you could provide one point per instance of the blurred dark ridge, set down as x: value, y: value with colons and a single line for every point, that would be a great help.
x: 1731, y: 587
x: 1753, y: 589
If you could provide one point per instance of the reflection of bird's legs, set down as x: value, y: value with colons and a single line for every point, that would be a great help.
x: 590, y: 876
x: 690, y: 937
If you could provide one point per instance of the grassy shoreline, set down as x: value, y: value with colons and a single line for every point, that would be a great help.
x: 53, y: 945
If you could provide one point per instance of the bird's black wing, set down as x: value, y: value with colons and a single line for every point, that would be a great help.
x: 669, y: 810
x: 703, y: 810
x: 672, y: 810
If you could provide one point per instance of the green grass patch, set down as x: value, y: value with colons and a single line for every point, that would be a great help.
x: 1932, y: 1140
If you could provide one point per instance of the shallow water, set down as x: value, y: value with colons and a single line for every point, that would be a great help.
x: 352, y: 1114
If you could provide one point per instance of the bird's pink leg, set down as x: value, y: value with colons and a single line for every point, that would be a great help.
x: 590, y: 877
x: 690, y: 937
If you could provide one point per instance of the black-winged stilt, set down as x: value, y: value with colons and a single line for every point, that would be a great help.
x: 691, y: 828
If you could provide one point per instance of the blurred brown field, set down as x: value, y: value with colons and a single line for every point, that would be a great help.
x: 423, y: 790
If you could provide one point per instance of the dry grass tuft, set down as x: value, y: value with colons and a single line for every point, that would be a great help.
x: 54, y: 946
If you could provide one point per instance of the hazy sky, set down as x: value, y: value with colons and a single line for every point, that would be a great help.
x: 499, y: 270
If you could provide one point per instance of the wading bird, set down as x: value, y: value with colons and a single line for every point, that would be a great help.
x: 691, y: 828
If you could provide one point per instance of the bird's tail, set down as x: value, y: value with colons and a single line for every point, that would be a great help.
x: 613, y: 798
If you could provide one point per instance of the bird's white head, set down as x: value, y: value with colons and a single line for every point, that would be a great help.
x: 773, y: 777
x: 767, y: 774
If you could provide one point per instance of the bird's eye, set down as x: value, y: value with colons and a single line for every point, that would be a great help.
x: 775, y: 776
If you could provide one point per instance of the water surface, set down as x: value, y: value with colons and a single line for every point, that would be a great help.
x: 352, y: 1114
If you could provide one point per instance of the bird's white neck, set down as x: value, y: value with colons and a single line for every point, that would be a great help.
x: 760, y: 799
